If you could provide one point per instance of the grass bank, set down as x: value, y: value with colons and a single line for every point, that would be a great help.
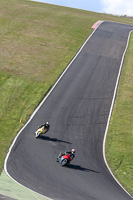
x: 36, y: 44
x: 119, y: 144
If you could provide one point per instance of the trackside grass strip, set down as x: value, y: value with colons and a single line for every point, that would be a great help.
x: 37, y: 41
x: 119, y: 144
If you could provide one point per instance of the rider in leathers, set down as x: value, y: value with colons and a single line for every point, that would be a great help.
x: 72, y: 154
x: 46, y: 126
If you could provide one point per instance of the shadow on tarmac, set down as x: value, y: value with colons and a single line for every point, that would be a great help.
x: 42, y: 137
x: 78, y: 167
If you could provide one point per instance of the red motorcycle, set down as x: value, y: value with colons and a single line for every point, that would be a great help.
x: 65, y: 159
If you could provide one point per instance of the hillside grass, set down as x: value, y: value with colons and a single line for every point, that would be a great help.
x: 37, y: 42
x: 119, y: 144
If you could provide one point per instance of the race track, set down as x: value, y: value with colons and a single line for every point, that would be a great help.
x: 77, y: 110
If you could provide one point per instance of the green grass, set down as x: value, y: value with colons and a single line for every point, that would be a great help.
x: 36, y: 44
x: 119, y: 144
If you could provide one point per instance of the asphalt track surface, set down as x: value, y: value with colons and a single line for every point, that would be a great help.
x: 77, y: 110
x: 2, y: 197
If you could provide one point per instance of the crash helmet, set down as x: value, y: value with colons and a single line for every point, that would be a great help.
x: 73, y: 150
x: 46, y: 124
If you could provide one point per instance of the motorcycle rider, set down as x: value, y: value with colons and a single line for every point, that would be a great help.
x: 45, y: 126
x: 72, y: 154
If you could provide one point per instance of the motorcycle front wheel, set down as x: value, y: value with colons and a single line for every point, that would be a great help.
x: 64, y: 162
x: 37, y: 134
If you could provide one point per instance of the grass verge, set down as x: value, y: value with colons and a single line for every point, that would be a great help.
x: 119, y: 143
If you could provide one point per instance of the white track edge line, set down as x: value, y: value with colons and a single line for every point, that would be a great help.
x: 110, y: 113
x: 5, y: 162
